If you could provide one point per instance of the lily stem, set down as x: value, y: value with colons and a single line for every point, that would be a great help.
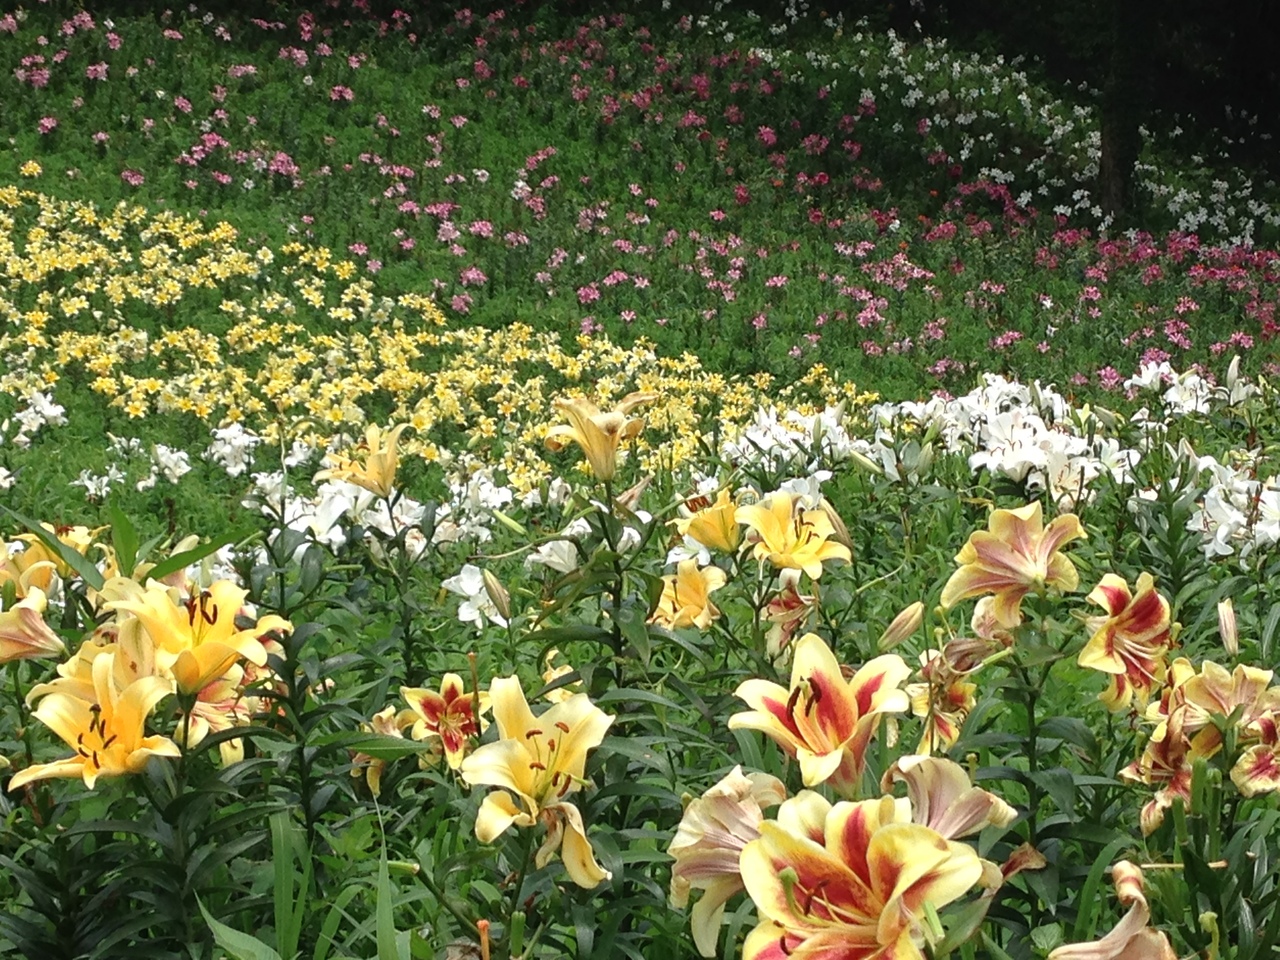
x: 526, y: 853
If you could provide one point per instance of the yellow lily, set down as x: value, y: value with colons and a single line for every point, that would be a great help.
x: 23, y: 633
x: 685, y: 600
x: 540, y: 760
x: 378, y: 472
x: 78, y: 538
x: 598, y: 433
x: 106, y: 732
x: 792, y: 539
x: 198, y: 640
x: 715, y: 527
x: 1015, y: 555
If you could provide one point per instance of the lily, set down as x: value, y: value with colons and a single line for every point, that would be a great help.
x: 198, y: 641
x: 23, y: 633
x: 1132, y: 938
x: 714, y: 527
x: 1014, y: 556
x: 449, y: 715
x: 825, y: 720
x: 107, y: 733
x: 538, y: 761
x: 862, y: 891
x: 1130, y: 642
x: 712, y: 834
x: 381, y: 461
x: 597, y: 432
x: 792, y: 538
x: 685, y: 600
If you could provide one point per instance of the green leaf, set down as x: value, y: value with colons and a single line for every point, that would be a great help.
x: 239, y: 945
x: 573, y: 633
x: 180, y: 561
x: 1087, y: 904
x: 124, y: 539
x: 81, y: 564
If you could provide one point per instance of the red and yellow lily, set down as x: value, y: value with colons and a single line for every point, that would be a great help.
x: 825, y: 720
x: 449, y: 715
x: 859, y: 891
x: 1130, y: 642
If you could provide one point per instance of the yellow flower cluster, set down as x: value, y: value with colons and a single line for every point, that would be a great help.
x: 161, y: 314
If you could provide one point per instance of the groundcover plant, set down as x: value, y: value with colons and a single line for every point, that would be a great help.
x: 513, y: 484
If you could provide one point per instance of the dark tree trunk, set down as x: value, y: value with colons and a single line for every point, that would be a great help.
x: 1123, y: 105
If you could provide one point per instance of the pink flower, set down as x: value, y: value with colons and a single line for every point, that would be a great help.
x: 133, y: 178
x: 47, y: 124
x: 373, y: 266
x: 473, y: 277
x: 96, y: 71
x: 342, y: 93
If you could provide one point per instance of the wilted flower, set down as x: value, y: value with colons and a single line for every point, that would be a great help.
x: 1133, y: 937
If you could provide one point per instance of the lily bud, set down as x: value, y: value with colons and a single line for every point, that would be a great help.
x: 840, y: 533
x: 498, y: 594
x: 1227, y: 627
x: 904, y: 625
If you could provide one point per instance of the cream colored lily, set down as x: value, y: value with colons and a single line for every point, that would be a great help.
x: 377, y: 473
x: 538, y: 761
x: 1015, y: 555
x: 1132, y: 938
x: 107, y: 732
x: 598, y: 432
x: 23, y: 633
x: 712, y: 834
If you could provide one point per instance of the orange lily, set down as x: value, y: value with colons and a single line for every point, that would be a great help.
x: 824, y: 720
x: 1015, y: 555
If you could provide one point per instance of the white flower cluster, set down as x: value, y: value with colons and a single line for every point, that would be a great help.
x: 791, y: 442
x: 1238, y: 512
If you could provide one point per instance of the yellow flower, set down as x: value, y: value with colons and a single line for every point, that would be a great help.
x: 1130, y: 642
x: 1015, y: 555
x: 792, y: 538
x: 540, y: 760
x: 715, y: 527
x: 685, y: 600
x: 198, y: 641
x: 598, y: 433
x: 31, y: 169
x: 379, y: 469
x: 106, y: 732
